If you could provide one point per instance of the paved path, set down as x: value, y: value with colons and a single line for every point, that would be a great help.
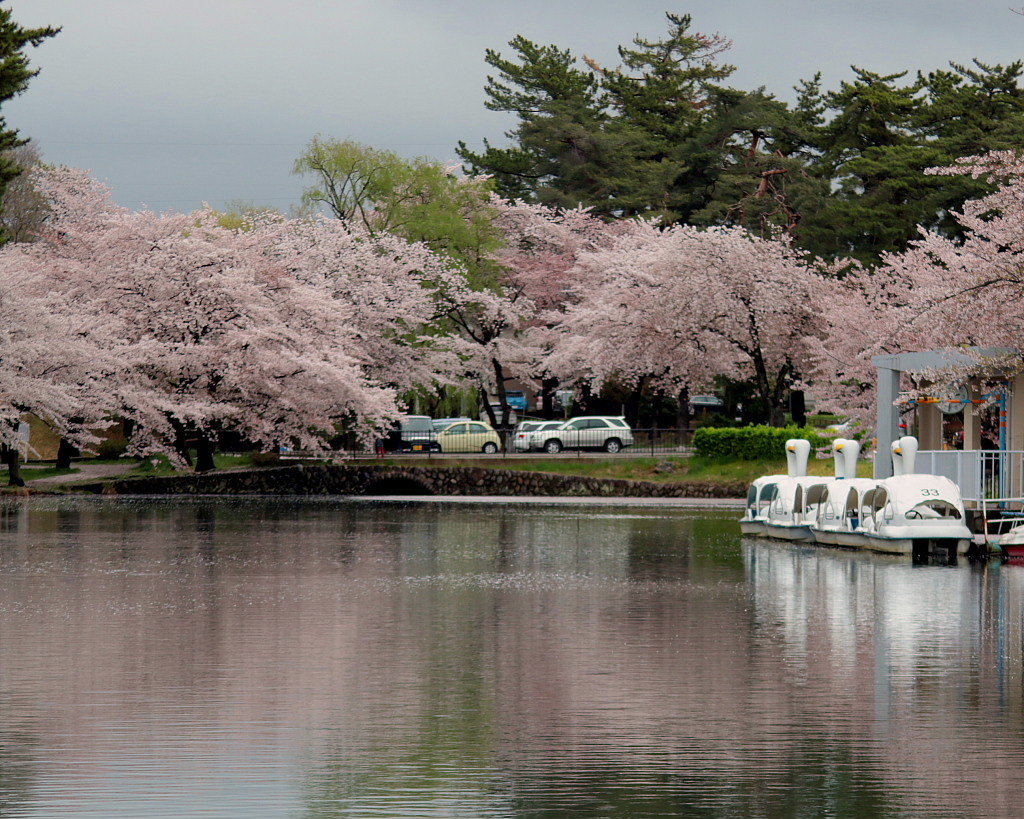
x: 544, y: 500
x: 86, y: 472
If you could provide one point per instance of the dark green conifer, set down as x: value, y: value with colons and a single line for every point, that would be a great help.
x: 15, y: 73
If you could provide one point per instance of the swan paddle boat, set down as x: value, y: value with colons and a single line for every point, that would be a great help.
x: 909, y: 513
x: 912, y: 513
x: 838, y: 511
x: 777, y: 504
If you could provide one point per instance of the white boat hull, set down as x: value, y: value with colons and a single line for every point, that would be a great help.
x: 906, y: 545
x: 832, y: 537
x: 890, y: 545
x: 780, y: 531
x: 753, y: 527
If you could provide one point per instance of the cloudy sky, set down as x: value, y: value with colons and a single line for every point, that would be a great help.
x: 176, y: 102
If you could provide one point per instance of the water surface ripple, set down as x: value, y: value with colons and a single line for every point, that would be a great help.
x: 323, y: 658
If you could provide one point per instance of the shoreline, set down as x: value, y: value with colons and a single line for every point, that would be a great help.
x: 732, y: 504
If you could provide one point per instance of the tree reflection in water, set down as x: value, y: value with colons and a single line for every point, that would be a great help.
x: 326, y: 658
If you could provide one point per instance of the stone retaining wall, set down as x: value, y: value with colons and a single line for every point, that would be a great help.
x: 371, y: 479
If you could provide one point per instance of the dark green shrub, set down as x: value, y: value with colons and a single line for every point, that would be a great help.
x: 750, y: 443
x: 112, y: 448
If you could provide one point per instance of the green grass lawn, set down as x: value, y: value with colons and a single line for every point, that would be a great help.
x: 31, y: 473
x: 666, y: 469
x: 659, y: 469
x: 159, y: 464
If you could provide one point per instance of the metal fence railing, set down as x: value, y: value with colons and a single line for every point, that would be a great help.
x: 614, y: 442
x: 980, y: 473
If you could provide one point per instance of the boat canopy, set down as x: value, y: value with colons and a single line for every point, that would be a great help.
x: 817, y: 494
x: 907, y: 491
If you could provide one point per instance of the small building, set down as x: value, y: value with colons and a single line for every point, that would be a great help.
x: 996, y: 470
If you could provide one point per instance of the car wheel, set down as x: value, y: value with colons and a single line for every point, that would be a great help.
x: 612, y: 445
x: 490, y: 447
x: 553, y: 447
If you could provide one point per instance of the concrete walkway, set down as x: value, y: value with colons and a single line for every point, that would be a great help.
x: 547, y: 500
x: 86, y: 472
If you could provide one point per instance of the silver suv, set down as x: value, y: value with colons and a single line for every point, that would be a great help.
x: 607, y: 432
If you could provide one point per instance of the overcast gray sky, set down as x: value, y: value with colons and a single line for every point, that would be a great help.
x: 176, y: 102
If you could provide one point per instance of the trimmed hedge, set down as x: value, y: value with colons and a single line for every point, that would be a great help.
x: 750, y: 443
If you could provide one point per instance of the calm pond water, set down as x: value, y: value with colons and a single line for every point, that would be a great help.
x: 268, y: 658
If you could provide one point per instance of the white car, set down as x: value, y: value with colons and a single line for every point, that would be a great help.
x: 523, y: 434
x: 607, y: 432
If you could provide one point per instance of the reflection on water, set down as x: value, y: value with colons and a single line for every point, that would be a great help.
x: 323, y: 659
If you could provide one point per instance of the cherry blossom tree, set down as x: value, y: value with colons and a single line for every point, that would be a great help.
x: 50, y: 363
x: 211, y: 330
x: 505, y: 332
x: 391, y: 293
x: 677, y: 306
x: 941, y: 293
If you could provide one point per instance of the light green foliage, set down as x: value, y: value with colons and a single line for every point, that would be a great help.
x: 418, y: 199
x: 239, y: 215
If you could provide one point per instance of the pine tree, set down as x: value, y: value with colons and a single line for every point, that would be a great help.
x: 15, y: 73
x: 558, y: 147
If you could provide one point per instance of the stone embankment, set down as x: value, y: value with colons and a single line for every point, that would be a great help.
x: 371, y: 479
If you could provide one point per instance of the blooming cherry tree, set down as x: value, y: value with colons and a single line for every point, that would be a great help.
x: 679, y: 305
x: 50, y: 363
x: 942, y: 292
x: 505, y: 333
x: 211, y: 329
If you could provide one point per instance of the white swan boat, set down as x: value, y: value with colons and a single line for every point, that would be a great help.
x: 776, y: 504
x: 913, y: 513
x: 908, y: 513
x: 838, y: 511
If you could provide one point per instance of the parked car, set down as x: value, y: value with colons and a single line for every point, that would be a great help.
x: 443, y: 423
x: 607, y: 432
x: 469, y: 436
x: 414, y: 433
x: 521, y: 435
x: 496, y: 409
x: 516, y: 399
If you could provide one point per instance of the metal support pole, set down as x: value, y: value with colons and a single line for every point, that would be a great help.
x: 887, y: 427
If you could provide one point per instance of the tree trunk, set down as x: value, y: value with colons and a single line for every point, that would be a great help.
x: 488, y: 409
x: 772, y: 395
x: 798, y: 407
x: 181, y: 442
x: 12, y: 458
x: 205, y: 448
x: 547, y: 398
x: 65, y: 452
x: 633, y: 402
x: 777, y: 402
x: 683, y: 414
x: 499, y: 380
